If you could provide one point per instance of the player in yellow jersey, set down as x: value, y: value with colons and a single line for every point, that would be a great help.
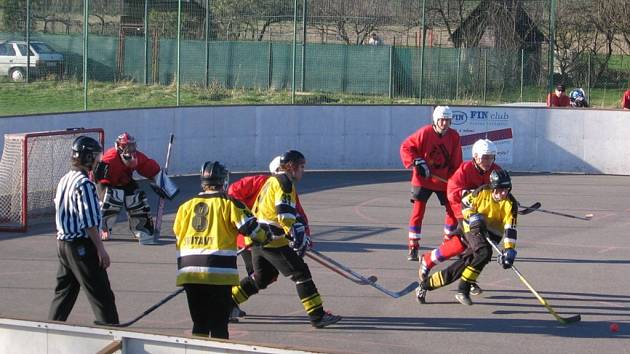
x: 490, y: 211
x: 206, y: 227
x: 276, y: 206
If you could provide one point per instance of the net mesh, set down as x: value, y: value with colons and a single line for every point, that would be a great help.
x: 47, y: 158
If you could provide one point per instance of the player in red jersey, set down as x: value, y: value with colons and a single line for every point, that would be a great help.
x: 432, y: 150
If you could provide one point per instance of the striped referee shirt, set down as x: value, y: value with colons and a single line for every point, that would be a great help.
x: 77, y: 205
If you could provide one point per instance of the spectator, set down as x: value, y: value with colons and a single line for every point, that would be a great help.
x: 375, y: 39
x: 558, y: 98
x: 625, y: 98
x: 577, y: 97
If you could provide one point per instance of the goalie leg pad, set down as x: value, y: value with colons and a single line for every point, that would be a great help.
x: 139, y: 213
x: 113, y: 202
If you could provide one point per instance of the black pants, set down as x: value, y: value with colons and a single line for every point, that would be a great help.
x: 268, y: 263
x: 478, y: 253
x: 79, y: 267
x: 209, y: 307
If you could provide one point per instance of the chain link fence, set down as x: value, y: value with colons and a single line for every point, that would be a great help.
x: 190, y: 52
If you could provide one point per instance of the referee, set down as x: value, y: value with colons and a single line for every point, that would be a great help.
x: 83, y: 259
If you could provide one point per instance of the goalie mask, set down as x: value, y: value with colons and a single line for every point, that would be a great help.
x: 213, y: 173
x: 126, y: 148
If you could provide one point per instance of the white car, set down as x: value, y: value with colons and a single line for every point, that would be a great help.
x: 13, y: 59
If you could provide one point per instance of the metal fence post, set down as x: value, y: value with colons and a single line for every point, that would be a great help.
x: 294, y: 51
x: 459, y: 65
x: 522, y: 72
x: 179, y: 42
x: 86, y: 12
x: 28, y: 41
x: 552, y: 42
x: 146, y: 42
x: 303, y: 85
x: 391, y: 72
x: 422, y: 30
x: 485, y: 75
x: 207, y: 30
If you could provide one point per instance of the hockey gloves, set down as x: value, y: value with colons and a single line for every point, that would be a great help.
x: 422, y: 167
x: 477, y: 224
x: 300, y: 241
x: 506, y: 258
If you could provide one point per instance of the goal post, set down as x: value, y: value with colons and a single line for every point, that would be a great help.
x: 30, y: 168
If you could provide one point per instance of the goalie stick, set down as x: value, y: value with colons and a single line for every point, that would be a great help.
x: 395, y: 294
x: 562, y: 320
x: 161, y: 202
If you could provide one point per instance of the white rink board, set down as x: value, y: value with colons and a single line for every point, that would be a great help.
x: 246, y: 138
x: 29, y: 337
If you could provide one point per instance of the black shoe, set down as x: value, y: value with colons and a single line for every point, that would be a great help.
x: 326, y: 320
x: 236, y: 313
x: 463, y: 298
x: 413, y: 254
x: 421, y: 294
x: 475, y: 289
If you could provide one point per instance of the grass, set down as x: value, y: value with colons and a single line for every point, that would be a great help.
x: 49, y: 96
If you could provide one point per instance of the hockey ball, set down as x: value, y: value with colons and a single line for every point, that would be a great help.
x: 614, y: 327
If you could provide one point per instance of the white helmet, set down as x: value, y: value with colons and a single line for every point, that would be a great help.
x: 274, y: 165
x: 443, y: 112
x: 483, y: 147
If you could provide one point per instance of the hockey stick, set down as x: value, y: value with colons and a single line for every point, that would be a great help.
x: 371, y: 278
x: 395, y: 294
x: 148, y: 311
x: 152, y: 308
x: 530, y: 209
x: 563, y: 320
x: 586, y: 217
x: 161, y: 202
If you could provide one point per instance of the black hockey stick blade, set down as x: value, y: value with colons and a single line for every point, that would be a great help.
x: 148, y: 311
x: 586, y: 217
x: 572, y: 319
x: 529, y: 209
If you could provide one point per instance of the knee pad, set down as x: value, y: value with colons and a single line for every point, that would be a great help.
x: 139, y: 213
x: 301, y: 275
x: 262, y: 281
x: 112, y: 203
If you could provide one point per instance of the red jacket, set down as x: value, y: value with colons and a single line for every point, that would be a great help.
x: 246, y: 190
x: 555, y: 101
x: 625, y: 100
x: 467, y: 176
x: 120, y: 174
x: 443, y: 154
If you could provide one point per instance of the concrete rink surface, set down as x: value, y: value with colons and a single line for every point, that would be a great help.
x: 359, y: 218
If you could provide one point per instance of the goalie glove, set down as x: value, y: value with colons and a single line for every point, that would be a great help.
x: 506, y: 258
x: 422, y: 167
x: 300, y: 242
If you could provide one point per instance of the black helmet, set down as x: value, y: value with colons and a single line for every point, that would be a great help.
x: 500, y: 179
x: 213, y: 173
x: 85, y: 149
x: 292, y: 156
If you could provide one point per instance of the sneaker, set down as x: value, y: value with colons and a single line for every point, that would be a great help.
x: 475, y: 289
x: 421, y: 294
x: 413, y: 254
x: 236, y: 313
x: 326, y: 320
x: 463, y: 298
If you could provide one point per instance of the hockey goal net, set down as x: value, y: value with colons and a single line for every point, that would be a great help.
x: 30, y: 168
